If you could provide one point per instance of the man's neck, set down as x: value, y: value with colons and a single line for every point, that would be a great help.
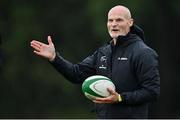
x: 114, y: 41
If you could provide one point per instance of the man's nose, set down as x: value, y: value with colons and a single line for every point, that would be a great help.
x: 114, y: 23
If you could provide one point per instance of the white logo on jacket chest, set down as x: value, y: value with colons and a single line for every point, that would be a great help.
x: 122, y: 58
x: 102, y: 67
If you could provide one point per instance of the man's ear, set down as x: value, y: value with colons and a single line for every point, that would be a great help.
x: 131, y: 21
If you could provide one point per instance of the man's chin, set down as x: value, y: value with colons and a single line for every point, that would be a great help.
x: 115, y: 36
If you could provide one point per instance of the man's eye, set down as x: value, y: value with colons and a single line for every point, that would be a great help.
x: 110, y: 20
x: 119, y: 20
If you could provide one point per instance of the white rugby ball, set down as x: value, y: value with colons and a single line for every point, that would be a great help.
x: 96, y: 86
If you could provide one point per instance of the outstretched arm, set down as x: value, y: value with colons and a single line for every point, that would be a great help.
x: 75, y: 73
x: 44, y: 50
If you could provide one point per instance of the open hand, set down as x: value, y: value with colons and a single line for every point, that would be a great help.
x: 44, y: 50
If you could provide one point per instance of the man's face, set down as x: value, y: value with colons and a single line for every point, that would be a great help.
x: 118, y: 23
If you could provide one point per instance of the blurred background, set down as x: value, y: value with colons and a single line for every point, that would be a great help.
x: 31, y: 88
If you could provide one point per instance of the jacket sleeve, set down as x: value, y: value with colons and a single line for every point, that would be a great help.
x: 147, y: 73
x: 75, y: 73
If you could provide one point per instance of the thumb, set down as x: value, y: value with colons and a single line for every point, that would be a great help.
x: 50, y: 40
x: 112, y: 92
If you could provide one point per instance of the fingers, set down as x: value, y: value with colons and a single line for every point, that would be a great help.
x: 102, y: 100
x: 95, y: 101
x: 37, y: 47
x: 37, y: 52
x: 110, y: 99
x: 112, y: 92
x: 50, y: 40
x: 37, y: 43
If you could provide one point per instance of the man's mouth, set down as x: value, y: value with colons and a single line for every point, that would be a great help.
x: 114, y: 30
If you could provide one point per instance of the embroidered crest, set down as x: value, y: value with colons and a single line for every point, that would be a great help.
x: 103, y: 59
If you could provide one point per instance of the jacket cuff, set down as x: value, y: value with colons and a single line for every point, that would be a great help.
x: 122, y: 98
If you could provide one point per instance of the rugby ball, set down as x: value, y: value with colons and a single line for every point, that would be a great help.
x: 96, y: 86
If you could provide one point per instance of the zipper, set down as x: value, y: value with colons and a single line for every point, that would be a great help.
x: 113, y: 55
x: 113, y: 49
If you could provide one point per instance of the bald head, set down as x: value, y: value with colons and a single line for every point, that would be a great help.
x: 122, y: 10
x: 119, y: 21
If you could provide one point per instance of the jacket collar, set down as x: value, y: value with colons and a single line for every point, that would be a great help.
x: 124, y: 40
x: 135, y: 32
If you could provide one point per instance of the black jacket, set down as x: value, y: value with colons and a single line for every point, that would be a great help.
x: 130, y: 64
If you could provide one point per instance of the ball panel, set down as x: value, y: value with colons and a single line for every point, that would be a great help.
x: 90, y: 81
x: 89, y: 96
x: 96, y: 77
x: 100, y: 87
x: 90, y: 91
x: 86, y: 88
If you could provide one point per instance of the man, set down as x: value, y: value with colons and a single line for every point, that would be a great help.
x: 129, y: 63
